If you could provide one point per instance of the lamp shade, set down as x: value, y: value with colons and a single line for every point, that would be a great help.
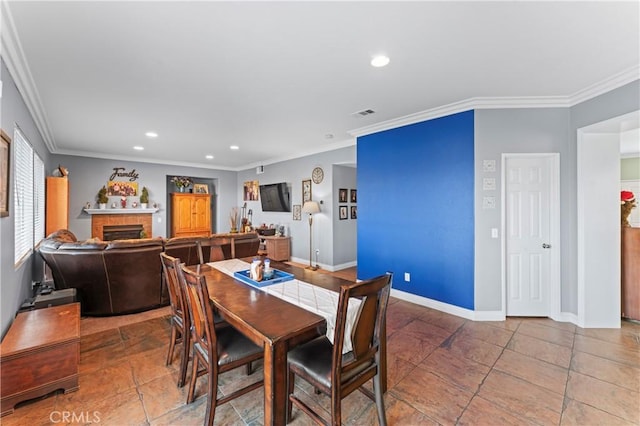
x: 311, y: 207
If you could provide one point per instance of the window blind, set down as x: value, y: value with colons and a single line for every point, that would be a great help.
x: 23, y: 197
x: 38, y: 191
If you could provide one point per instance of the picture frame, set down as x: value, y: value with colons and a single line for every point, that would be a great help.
x: 5, y: 166
x: 297, y: 212
x: 343, y: 213
x: 342, y: 195
x: 121, y: 188
x: 354, y: 212
x: 251, y: 190
x: 200, y: 188
x: 306, y: 191
x: 354, y: 196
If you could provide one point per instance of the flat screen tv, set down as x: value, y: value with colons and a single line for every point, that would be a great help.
x: 275, y: 197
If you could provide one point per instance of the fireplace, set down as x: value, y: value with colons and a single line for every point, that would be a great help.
x: 101, y: 219
x: 121, y: 232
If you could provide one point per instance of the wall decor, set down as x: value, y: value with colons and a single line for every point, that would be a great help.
x: 317, y: 175
x: 118, y: 172
x: 297, y: 212
x: 4, y: 173
x: 306, y: 191
x: 343, y: 213
x: 200, y: 188
x: 119, y: 188
x: 354, y: 195
x: 342, y: 195
x: 251, y: 190
x: 354, y: 212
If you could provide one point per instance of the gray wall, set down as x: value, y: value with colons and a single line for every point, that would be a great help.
x: 15, y: 284
x: 294, y: 172
x: 88, y: 175
x: 345, y: 236
x: 507, y: 131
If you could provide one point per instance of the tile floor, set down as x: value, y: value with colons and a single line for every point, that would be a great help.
x: 442, y: 370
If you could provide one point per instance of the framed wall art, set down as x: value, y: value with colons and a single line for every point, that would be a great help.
x: 121, y: 188
x: 342, y: 195
x: 354, y: 212
x: 343, y: 212
x: 251, y: 190
x: 200, y: 188
x: 297, y: 212
x: 5, y: 157
x: 306, y: 191
x: 354, y: 195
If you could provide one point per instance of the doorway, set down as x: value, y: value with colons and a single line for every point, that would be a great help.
x: 531, y: 285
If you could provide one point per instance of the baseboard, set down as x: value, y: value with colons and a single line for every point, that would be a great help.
x: 330, y: 268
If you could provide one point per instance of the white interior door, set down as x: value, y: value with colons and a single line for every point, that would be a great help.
x: 528, y: 198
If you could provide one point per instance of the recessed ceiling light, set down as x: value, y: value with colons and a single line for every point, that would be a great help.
x: 209, y: 157
x: 234, y: 147
x: 151, y: 135
x: 379, y: 61
x: 139, y: 148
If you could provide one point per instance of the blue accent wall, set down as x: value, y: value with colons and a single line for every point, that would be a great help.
x: 416, y: 207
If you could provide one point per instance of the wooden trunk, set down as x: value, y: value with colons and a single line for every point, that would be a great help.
x: 630, y: 273
x: 40, y: 354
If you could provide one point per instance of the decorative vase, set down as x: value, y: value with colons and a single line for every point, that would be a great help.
x: 181, y: 189
x: 143, y: 205
x: 102, y: 206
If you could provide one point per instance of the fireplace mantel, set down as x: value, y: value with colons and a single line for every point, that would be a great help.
x: 120, y: 211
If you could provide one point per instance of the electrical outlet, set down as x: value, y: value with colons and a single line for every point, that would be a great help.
x: 407, y: 277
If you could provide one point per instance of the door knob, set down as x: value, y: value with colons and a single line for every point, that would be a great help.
x: 545, y: 245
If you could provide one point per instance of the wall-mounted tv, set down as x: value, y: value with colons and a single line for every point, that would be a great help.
x: 275, y: 197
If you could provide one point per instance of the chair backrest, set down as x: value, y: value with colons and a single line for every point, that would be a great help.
x: 203, y: 335
x: 170, y: 267
x: 366, y: 331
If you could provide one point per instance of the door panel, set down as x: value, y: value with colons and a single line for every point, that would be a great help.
x: 528, y: 195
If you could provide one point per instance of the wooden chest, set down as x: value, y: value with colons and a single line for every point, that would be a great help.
x: 40, y: 354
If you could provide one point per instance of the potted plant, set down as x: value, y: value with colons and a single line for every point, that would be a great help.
x: 182, y: 182
x: 102, y: 198
x: 144, y: 197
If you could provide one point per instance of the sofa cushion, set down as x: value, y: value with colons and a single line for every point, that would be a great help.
x: 83, y: 245
x: 133, y: 243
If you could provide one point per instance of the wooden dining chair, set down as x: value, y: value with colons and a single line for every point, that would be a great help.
x: 323, y: 364
x: 179, y: 318
x: 215, y: 349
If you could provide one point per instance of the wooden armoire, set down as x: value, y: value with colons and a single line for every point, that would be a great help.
x: 190, y: 215
x: 630, y: 272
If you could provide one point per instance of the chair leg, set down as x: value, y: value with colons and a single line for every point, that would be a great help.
x: 212, y: 397
x: 291, y: 384
x: 172, y: 344
x: 194, y: 378
x: 184, y: 362
x: 377, y: 390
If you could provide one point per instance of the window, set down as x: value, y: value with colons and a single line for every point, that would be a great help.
x: 28, y: 197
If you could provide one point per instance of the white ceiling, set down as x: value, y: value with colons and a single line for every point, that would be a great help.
x: 275, y: 78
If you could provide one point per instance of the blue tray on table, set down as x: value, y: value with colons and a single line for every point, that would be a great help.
x: 278, y: 277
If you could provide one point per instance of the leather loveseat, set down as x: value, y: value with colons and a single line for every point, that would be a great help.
x: 125, y: 276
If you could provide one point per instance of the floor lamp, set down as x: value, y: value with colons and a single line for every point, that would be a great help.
x: 311, y: 207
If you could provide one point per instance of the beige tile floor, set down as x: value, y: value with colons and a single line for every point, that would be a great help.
x: 442, y: 370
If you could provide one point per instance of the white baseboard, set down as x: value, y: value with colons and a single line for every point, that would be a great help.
x: 330, y: 268
x: 449, y: 309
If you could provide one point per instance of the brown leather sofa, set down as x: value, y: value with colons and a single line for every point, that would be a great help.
x: 125, y: 276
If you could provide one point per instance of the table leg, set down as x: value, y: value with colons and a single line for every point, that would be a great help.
x: 275, y: 384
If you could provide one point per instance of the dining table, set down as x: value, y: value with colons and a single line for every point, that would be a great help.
x: 272, y: 323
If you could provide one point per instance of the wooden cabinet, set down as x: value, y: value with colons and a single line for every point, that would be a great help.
x: 278, y: 248
x: 40, y: 354
x: 190, y: 215
x: 630, y: 273
x: 57, y: 204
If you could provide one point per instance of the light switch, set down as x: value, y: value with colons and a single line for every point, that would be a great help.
x: 489, y: 166
x: 488, y: 184
x: 494, y: 232
x: 488, y: 202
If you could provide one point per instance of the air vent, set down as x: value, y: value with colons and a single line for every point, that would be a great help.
x: 363, y: 113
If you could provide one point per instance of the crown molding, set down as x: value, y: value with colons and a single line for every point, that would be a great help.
x: 618, y: 80
x: 17, y: 65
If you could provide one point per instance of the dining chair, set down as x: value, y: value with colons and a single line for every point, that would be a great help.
x: 179, y: 320
x: 322, y: 363
x: 215, y: 349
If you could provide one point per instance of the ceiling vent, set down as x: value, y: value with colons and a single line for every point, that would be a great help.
x: 363, y: 113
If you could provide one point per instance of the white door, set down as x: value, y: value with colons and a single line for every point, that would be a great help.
x: 528, y: 229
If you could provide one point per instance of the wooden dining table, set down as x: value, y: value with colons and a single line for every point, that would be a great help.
x: 272, y: 323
